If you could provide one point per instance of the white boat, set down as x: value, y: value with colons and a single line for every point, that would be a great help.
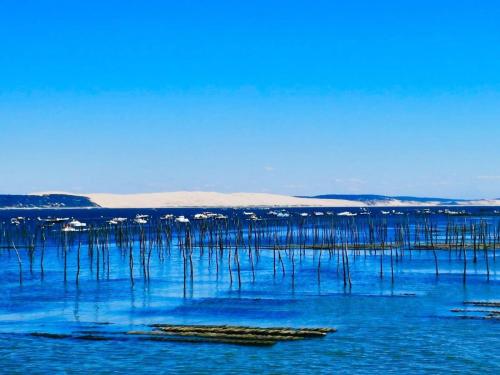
x: 182, y: 219
x: 200, y: 217
x: 54, y: 220
x: 77, y: 224
x: 210, y: 215
x: 248, y: 213
x: 283, y: 214
x: 385, y: 212
x: 167, y: 217
x: 304, y: 214
x: 117, y: 220
x: 346, y: 213
x: 139, y: 220
x: 318, y: 213
x: 220, y: 217
x: 68, y: 228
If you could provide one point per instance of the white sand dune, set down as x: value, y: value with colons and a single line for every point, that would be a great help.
x: 481, y: 202
x: 212, y: 199
x: 401, y: 203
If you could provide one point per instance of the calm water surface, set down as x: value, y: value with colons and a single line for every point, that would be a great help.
x: 382, y: 327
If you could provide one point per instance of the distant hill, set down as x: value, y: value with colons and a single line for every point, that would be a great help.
x: 373, y: 198
x: 45, y: 201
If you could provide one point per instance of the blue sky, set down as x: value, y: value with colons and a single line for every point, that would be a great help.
x: 294, y: 97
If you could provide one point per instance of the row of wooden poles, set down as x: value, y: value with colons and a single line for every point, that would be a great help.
x: 235, y: 240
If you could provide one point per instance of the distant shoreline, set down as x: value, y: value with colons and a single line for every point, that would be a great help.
x: 206, y: 200
x: 234, y: 207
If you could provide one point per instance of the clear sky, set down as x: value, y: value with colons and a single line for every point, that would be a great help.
x: 294, y: 97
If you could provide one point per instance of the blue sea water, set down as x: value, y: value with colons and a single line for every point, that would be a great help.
x: 383, y: 327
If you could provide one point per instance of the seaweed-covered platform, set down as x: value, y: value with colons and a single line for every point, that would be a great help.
x: 479, y: 310
x: 223, y: 334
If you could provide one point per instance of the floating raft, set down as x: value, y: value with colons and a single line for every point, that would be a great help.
x: 241, y: 335
x: 222, y: 334
x: 480, y: 310
x: 483, y: 303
